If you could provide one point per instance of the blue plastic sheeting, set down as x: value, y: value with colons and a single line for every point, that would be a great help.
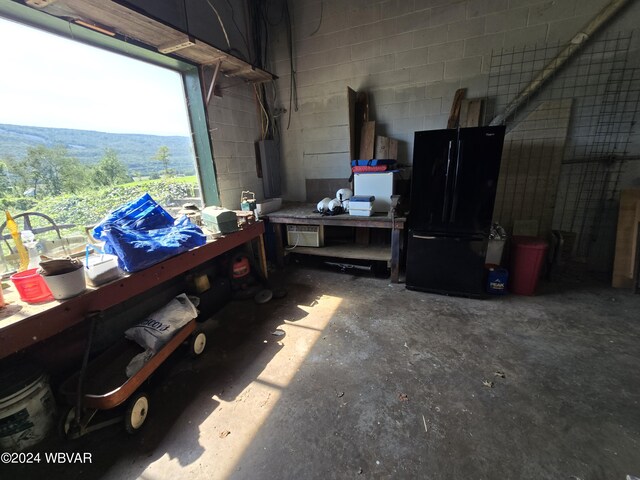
x: 141, y: 233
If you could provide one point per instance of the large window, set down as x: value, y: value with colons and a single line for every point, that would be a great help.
x: 84, y: 129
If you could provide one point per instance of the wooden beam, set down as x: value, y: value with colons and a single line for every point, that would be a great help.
x: 164, y: 38
x: 239, y: 72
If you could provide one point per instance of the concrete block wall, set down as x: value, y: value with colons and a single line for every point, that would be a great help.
x: 235, y: 127
x: 410, y: 55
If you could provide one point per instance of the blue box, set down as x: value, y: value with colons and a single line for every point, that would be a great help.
x: 497, y: 281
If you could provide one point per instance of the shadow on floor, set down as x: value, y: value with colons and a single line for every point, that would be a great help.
x: 183, y: 393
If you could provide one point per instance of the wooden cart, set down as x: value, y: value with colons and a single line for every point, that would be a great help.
x: 104, y: 384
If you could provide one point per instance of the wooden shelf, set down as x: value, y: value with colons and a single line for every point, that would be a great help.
x: 111, y: 16
x: 302, y: 214
x: 355, y: 252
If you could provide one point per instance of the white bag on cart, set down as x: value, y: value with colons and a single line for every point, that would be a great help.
x: 157, y: 329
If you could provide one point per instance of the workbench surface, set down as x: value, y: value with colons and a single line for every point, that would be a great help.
x: 23, y: 324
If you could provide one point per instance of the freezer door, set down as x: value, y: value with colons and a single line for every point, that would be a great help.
x: 446, y: 264
x: 475, y: 178
x: 431, y: 179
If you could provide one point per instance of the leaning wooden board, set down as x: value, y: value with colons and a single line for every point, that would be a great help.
x: 454, y: 115
x: 626, y: 239
x: 470, y: 112
x: 367, y: 140
x: 386, y: 148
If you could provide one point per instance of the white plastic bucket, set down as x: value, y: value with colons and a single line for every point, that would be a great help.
x: 26, y: 416
x: 494, y: 252
x: 66, y: 285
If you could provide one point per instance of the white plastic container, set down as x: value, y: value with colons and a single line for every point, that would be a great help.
x: 268, y: 205
x: 66, y: 285
x: 357, y: 212
x: 361, y: 206
x: 27, y: 415
x: 494, y: 252
x: 378, y: 184
x: 102, y: 269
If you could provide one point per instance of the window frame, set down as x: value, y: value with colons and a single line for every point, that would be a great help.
x: 190, y: 80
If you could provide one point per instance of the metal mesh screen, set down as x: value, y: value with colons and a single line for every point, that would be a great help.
x: 568, y: 145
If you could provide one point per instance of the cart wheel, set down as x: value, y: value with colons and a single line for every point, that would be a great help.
x: 136, y: 412
x: 65, y: 423
x: 197, y: 343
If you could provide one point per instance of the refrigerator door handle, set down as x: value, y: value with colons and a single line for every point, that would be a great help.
x: 446, y: 186
x: 454, y: 205
x: 424, y: 237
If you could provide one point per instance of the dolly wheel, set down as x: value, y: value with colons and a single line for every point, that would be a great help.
x: 197, y: 343
x: 136, y: 412
x: 66, y: 422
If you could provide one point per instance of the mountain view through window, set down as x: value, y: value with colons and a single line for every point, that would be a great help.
x: 84, y: 130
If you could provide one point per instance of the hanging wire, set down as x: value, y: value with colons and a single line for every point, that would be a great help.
x: 224, y: 30
x: 320, y: 22
x: 276, y: 116
x: 274, y: 24
x: 233, y: 19
x: 264, y: 117
x: 293, y: 89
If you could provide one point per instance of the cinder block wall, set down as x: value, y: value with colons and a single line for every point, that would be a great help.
x: 410, y: 55
x: 234, y: 124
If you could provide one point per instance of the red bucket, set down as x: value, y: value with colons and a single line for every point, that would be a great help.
x: 527, y: 258
x: 31, y: 286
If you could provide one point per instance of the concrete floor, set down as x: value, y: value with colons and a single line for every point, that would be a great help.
x: 373, y: 381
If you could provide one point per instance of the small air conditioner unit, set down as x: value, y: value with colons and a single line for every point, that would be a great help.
x: 305, y: 235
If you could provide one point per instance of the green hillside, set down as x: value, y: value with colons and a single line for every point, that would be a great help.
x: 135, y: 150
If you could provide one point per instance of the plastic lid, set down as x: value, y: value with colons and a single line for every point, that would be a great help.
x: 362, y: 198
x: 17, y: 375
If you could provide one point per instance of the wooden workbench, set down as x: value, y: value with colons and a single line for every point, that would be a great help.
x: 302, y: 214
x: 23, y: 325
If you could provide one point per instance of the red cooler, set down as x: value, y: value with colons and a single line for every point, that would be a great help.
x: 527, y: 257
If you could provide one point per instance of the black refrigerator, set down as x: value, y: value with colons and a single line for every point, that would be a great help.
x: 453, y: 189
